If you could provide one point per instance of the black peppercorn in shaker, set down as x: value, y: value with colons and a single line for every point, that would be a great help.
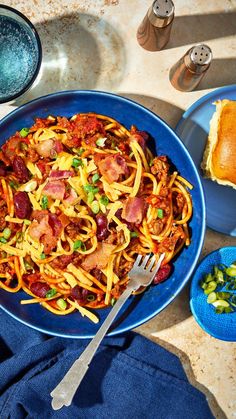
x: 154, y: 31
x: 187, y: 73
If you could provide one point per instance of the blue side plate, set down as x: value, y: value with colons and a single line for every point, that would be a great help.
x: 139, y: 308
x: 193, y: 130
x: 221, y: 326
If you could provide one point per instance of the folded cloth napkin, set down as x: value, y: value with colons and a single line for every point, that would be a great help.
x: 129, y: 377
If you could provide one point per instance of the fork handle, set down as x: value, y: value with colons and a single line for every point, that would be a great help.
x: 66, y: 389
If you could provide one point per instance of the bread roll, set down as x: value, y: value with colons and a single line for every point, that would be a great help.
x: 219, y: 159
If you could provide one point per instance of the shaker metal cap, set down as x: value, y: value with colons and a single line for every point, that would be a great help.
x: 199, y: 58
x: 161, y: 13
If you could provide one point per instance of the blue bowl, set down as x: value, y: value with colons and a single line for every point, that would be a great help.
x: 20, y: 52
x: 220, y: 326
x: 140, y: 308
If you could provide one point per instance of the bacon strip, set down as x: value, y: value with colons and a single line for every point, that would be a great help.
x: 98, y: 259
x: 55, y: 189
x: 60, y: 174
x: 112, y: 167
x: 133, y: 210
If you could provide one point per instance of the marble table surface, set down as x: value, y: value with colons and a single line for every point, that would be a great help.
x: 92, y: 45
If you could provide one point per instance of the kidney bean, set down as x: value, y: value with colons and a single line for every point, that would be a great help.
x: 20, y: 169
x: 40, y: 289
x: 79, y: 294
x: 22, y: 204
x: 102, y: 227
x: 162, y: 274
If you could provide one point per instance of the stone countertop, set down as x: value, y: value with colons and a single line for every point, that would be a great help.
x: 92, y: 45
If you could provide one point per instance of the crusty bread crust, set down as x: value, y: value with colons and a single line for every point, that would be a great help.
x: 219, y: 158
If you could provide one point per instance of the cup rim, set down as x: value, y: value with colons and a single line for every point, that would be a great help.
x: 39, y: 48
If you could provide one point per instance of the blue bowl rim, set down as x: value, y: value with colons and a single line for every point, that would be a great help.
x: 193, y: 285
x: 197, y: 104
x: 201, y: 192
x: 40, y: 53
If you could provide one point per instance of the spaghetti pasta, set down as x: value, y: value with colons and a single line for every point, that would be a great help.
x: 80, y: 198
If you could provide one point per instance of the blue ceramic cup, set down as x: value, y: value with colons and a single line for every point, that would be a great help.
x: 20, y: 53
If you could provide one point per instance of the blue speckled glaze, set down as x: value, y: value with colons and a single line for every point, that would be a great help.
x: 221, y: 326
x: 193, y: 129
x: 140, y: 308
x: 20, y: 54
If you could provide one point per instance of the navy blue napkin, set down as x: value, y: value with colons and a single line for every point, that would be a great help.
x: 130, y: 377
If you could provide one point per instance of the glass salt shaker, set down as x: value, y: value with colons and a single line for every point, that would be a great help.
x: 154, y: 31
x: 187, y: 73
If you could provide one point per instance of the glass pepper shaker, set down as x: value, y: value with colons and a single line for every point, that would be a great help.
x: 154, y: 31
x: 187, y: 73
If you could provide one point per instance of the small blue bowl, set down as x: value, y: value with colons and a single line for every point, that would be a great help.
x: 220, y: 326
x: 137, y: 309
x: 20, y: 52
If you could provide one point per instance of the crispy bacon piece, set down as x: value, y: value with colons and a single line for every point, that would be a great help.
x: 99, y: 258
x: 55, y: 189
x: 112, y: 166
x: 38, y: 228
x: 133, y: 210
x: 46, y: 228
x: 70, y: 197
x: 61, y: 262
x: 60, y: 174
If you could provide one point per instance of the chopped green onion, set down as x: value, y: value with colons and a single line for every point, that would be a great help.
x: 160, y: 213
x: 211, y: 298
x: 61, y: 303
x: 13, y: 184
x: 77, y: 162
x: 51, y: 293
x: 95, y: 207
x: 3, y: 240
x: 42, y: 256
x: 95, y: 178
x: 28, y: 267
x: 44, y: 202
x: 80, y: 151
x: 101, y: 142
x: 6, y: 233
x: 223, y: 295
x: 211, y: 286
x: 221, y: 303
x: 151, y: 163
x: 90, y: 188
x: 23, y: 146
x: 228, y: 310
x: 27, y: 222
x: 208, y: 278
x: 78, y: 244
x: 90, y: 297
x: 90, y: 197
x: 218, y: 275
x: 220, y: 310
x: 104, y: 200
x: 24, y: 132
x: 231, y: 271
x: 133, y: 234
x: 113, y: 301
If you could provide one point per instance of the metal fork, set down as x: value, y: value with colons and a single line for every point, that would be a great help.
x: 140, y: 275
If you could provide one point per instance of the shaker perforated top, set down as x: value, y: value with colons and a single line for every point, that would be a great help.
x: 163, y: 8
x: 201, y: 54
